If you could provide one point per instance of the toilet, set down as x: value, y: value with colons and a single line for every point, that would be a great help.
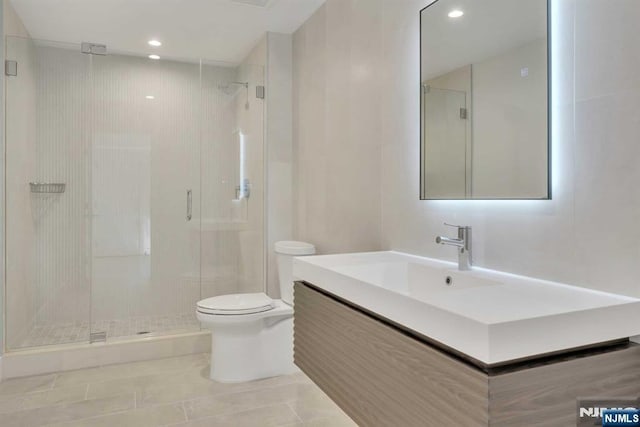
x: 252, y: 334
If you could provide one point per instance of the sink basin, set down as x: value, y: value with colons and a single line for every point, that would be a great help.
x: 416, y: 280
x: 489, y: 316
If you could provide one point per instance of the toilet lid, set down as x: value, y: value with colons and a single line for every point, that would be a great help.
x: 236, y: 304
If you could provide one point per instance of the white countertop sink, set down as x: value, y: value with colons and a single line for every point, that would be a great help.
x: 490, y: 316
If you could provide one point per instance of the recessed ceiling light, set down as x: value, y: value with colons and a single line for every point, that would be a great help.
x: 155, y: 43
x: 456, y: 13
x: 150, y: 97
x: 154, y: 57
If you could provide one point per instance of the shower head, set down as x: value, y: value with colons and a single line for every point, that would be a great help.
x: 231, y: 88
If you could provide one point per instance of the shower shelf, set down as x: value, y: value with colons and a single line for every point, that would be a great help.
x: 47, y: 187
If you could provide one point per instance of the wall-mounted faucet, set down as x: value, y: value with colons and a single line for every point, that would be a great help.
x: 463, y: 243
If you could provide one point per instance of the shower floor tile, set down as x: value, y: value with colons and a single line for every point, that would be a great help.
x: 62, y: 333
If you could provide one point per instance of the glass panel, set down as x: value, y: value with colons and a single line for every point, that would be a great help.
x: 145, y: 195
x: 445, y: 143
x: 48, y: 251
x: 233, y: 180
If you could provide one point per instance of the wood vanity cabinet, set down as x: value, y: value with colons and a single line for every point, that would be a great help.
x: 382, y: 375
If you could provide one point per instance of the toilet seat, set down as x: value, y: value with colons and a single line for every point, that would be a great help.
x: 235, y: 304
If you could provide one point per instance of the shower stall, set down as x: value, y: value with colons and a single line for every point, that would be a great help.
x: 134, y: 188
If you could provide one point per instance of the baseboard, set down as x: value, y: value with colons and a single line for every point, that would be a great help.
x: 78, y: 356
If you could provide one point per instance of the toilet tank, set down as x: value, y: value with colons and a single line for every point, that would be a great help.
x: 285, y: 252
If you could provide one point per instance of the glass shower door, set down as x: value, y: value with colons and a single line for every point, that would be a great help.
x: 145, y: 167
x: 110, y: 233
x: 48, y: 260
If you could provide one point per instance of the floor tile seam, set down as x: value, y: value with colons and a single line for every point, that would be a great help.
x: 70, y: 402
x: 222, y: 393
x: 53, y: 383
x: 125, y: 411
x: 141, y: 387
x: 254, y: 389
x: 125, y: 377
x: 184, y: 411
x: 34, y: 392
x: 155, y: 360
x: 319, y: 417
x: 295, y: 412
x: 236, y: 412
x: 26, y: 393
x: 208, y: 396
x: 92, y: 417
x: 56, y: 405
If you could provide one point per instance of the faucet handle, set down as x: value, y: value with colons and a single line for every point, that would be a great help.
x: 451, y: 225
x: 457, y: 226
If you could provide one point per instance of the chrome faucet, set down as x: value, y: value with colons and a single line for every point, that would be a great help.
x: 463, y: 243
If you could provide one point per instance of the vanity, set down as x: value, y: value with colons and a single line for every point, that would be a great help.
x: 401, y: 340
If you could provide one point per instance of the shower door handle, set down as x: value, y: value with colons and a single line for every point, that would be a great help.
x: 189, y: 203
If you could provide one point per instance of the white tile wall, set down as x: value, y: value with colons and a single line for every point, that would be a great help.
x: 279, y: 127
x: 337, y: 127
x: 351, y: 143
x: 510, y: 156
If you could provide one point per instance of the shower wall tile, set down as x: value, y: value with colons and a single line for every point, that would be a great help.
x: 62, y: 123
x: 23, y: 207
x: 14, y: 191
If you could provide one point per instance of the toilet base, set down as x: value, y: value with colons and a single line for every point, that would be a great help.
x: 255, y: 349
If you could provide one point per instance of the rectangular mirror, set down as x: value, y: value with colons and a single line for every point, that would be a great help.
x: 485, y: 128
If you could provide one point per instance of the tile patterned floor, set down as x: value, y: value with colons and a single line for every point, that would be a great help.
x: 79, y: 331
x: 165, y: 392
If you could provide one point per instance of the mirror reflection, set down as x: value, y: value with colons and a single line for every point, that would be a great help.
x: 484, y: 100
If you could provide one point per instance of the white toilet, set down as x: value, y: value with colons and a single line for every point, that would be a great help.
x: 252, y: 334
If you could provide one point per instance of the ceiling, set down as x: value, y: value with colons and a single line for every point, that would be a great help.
x: 487, y: 28
x: 216, y: 30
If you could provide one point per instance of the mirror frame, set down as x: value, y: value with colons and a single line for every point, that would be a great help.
x: 549, y: 114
